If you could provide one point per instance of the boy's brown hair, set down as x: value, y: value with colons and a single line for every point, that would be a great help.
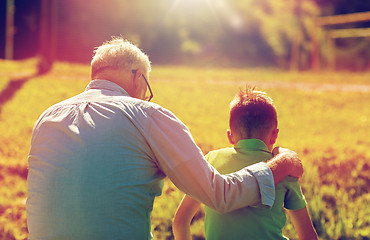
x: 252, y: 113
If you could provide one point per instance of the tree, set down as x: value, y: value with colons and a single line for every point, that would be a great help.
x: 9, y: 29
x: 48, y: 35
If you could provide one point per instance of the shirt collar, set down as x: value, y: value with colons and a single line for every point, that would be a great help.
x: 106, y: 85
x: 251, y: 145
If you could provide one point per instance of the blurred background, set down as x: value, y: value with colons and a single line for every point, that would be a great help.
x: 289, y: 34
x: 311, y: 56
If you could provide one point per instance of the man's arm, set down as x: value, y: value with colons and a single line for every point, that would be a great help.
x: 177, y: 155
x: 183, y: 216
x: 302, y: 224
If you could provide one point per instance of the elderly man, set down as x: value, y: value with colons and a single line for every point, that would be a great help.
x: 98, y: 159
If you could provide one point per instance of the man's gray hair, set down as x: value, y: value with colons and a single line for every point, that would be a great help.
x: 119, y: 54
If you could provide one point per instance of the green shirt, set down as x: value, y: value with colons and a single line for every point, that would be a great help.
x: 257, y: 222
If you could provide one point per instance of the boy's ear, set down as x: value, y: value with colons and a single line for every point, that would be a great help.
x: 230, y: 136
x: 274, y: 136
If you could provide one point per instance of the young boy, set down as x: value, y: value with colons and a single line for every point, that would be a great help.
x: 253, y: 131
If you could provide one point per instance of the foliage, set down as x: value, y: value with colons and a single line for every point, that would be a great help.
x: 282, y: 30
x: 217, y: 32
x: 321, y: 116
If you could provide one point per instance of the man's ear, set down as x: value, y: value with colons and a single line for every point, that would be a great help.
x: 136, y: 78
x: 230, y: 136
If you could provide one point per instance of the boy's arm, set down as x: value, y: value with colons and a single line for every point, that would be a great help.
x: 302, y: 223
x: 183, y: 216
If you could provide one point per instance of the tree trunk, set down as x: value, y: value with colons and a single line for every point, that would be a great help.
x: 47, y: 37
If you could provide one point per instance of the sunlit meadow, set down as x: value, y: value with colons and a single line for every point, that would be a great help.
x: 324, y: 116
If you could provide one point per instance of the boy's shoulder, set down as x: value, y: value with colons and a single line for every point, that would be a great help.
x: 222, y: 159
x: 221, y: 151
x: 289, y: 183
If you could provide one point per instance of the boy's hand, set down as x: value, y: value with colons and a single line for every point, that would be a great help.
x: 285, y: 163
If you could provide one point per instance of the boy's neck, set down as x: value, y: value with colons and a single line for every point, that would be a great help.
x: 269, y: 139
x: 269, y: 146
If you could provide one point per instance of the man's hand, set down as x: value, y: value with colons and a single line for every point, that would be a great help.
x: 284, y: 163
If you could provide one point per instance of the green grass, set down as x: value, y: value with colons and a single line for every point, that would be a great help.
x: 328, y: 127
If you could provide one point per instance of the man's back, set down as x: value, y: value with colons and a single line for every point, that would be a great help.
x: 94, y: 172
x: 258, y: 222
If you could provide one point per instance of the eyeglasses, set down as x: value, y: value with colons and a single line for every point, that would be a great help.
x: 150, y: 90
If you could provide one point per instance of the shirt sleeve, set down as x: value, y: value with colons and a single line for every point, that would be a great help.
x: 182, y: 161
x: 265, y: 181
x: 294, y: 198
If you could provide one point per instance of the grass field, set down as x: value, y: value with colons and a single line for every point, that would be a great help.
x: 325, y: 117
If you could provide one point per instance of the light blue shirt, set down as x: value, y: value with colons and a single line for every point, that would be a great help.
x: 97, y: 161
